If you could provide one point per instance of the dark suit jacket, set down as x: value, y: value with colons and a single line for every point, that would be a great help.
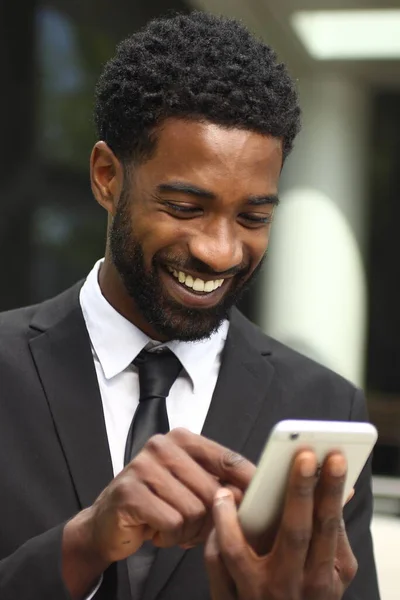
x: 55, y: 460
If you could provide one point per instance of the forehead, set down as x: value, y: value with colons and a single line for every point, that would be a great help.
x: 207, y: 153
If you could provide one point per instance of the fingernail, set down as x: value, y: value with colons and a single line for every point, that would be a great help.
x: 337, y: 466
x: 308, y: 465
x: 222, y: 495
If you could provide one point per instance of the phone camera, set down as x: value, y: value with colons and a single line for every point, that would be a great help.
x: 294, y: 436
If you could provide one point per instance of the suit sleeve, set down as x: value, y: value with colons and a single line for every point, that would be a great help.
x: 33, y: 571
x: 358, y: 515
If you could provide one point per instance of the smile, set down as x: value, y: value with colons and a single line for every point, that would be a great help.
x: 197, y: 284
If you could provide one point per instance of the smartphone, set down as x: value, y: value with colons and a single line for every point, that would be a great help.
x: 263, y: 501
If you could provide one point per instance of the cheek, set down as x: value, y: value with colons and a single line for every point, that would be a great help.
x: 160, y: 236
x: 257, y: 245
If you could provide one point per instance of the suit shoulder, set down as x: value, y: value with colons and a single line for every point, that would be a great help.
x: 16, y: 321
x: 20, y: 321
x: 291, y: 364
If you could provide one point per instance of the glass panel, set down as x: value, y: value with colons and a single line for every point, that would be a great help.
x: 51, y: 229
x: 383, y: 367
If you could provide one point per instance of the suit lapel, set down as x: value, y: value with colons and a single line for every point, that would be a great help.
x: 241, y: 389
x: 63, y: 358
x: 240, y: 392
x: 64, y: 361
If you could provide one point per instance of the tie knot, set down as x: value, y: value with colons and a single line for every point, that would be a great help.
x: 157, y: 373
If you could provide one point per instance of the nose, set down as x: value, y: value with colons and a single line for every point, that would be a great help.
x: 218, y: 246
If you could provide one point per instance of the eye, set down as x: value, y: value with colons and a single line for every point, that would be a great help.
x: 255, y: 220
x: 182, y: 209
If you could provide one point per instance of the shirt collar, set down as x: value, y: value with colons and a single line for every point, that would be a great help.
x: 116, y: 341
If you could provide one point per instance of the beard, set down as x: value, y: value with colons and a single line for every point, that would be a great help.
x: 170, y: 319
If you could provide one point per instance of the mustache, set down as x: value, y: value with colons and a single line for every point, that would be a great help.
x: 194, y: 264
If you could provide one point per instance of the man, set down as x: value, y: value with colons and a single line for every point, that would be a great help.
x: 195, y: 119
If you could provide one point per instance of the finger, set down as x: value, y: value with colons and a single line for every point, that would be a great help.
x: 202, y: 534
x: 327, y: 519
x: 163, y: 450
x: 221, y: 584
x: 164, y: 485
x: 234, y: 550
x: 295, y: 529
x: 228, y: 466
x: 146, y: 509
x: 345, y: 562
x: 238, y: 494
x: 350, y: 496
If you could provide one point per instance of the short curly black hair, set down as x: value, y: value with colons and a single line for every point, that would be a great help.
x: 196, y: 66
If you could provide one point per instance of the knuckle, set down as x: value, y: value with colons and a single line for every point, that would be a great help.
x: 334, y: 488
x: 231, y: 460
x: 172, y: 460
x: 327, y: 525
x: 280, y: 588
x: 122, y: 490
x: 319, y: 587
x: 139, y: 464
x: 174, y: 523
x: 297, y: 538
x: 155, y: 444
x: 302, y: 489
x: 349, y: 571
x: 195, y: 511
x: 180, y: 435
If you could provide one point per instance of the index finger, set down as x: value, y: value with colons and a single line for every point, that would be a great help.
x: 226, y: 465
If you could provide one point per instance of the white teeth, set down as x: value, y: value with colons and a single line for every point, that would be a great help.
x: 189, y: 281
x: 198, y: 285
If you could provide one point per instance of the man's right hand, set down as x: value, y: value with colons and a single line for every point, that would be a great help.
x: 165, y: 494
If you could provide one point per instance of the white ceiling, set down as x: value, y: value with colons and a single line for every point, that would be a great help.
x: 270, y: 19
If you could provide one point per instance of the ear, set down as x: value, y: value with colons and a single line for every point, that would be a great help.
x: 106, y: 176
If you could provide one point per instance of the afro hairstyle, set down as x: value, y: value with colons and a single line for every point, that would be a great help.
x: 192, y: 66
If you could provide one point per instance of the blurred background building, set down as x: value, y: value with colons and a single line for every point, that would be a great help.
x: 330, y: 287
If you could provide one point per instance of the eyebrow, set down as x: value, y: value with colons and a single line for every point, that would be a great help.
x: 260, y: 200
x: 193, y: 190
x: 186, y: 188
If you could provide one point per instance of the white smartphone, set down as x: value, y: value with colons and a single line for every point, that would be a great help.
x: 263, y: 502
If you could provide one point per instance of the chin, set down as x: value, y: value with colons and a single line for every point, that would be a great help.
x: 188, y: 328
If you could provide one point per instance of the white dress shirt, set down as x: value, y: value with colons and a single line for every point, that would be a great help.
x: 115, y: 344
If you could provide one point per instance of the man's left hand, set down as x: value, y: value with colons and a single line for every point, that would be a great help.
x: 311, y: 558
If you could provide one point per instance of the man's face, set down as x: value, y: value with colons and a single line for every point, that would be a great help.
x: 192, y: 225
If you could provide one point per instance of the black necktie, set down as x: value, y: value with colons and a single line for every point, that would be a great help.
x: 157, y: 373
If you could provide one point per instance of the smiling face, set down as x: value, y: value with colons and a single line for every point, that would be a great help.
x: 189, y: 227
